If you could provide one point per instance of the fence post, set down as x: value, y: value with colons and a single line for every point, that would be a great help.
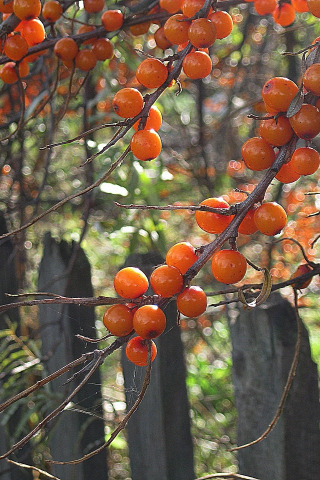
x: 159, y: 437
x: 263, y: 342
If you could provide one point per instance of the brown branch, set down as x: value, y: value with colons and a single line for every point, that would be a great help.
x: 288, y: 384
x: 226, y: 475
x: 232, y: 210
x: 36, y: 469
x: 125, y: 420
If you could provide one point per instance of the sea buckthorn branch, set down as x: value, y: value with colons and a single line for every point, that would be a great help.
x: 32, y: 467
x: 235, y: 476
x: 232, y: 210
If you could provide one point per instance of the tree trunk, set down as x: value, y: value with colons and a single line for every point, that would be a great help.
x: 73, y: 433
x: 159, y: 436
x: 263, y: 348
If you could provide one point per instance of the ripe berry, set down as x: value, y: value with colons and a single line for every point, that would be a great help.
x: 202, y: 33
x: 127, y: 102
x: 314, y: 7
x: 264, y: 7
x: 182, y: 256
x: 26, y: 9
x: 278, y: 92
x: 176, y: 30
x: 8, y: 73
x: 270, y: 218
x: 213, y: 222
x: 306, y: 122
x: 149, y: 321
x: 112, y: 20
x: 137, y: 351
x: 287, y: 173
x: 52, y: 11
x: 166, y: 281
x: 66, y: 49
x: 151, y: 73
x: 248, y: 226
x: 276, y: 132
x: 85, y: 29
x: 6, y: 7
x: 145, y: 144
x: 118, y: 319
x: 139, y: 28
x: 228, y: 266
x: 32, y: 31
x: 130, y: 282
x: 300, y: 5
x: 171, y: 6
x: 223, y: 23
x: 102, y: 48
x: 154, y: 120
x: 197, y: 65
x: 93, y: 6
x: 257, y: 154
x: 301, y: 270
x: 85, y: 60
x: 191, y: 7
x: 15, y: 47
x: 284, y: 14
x: 161, y: 39
x: 192, y: 302
x: 311, y: 79
x: 305, y: 160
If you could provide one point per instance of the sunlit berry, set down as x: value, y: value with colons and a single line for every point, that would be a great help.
x: 149, y: 321
x: 228, y: 266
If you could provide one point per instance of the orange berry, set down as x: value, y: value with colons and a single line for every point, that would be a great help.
x: 191, y: 7
x: 305, y: 160
x: 85, y: 29
x: 202, y: 33
x: 166, y: 281
x: 52, y: 11
x: 270, y: 218
x: 161, y: 39
x: 26, y: 9
x: 257, y: 154
x: 112, y: 20
x: 66, y: 49
x: 154, y: 120
x: 118, y: 319
x: 102, y: 48
x: 15, y: 47
x: 181, y: 255
x: 276, y: 132
x: 306, y: 122
x: 228, y: 266
x: 93, y: 6
x: 85, y: 60
x: 149, y: 321
x: 248, y: 226
x: 284, y: 14
x: 137, y: 351
x: 6, y: 7
x: 33, y: 31
x: 176, y: 29
x: 171, y: 6
x: 213, y: 222
x: 192, y: 302
x: 311, y: 79
x: 145, y: 144
x: 151, y: 73
x: 8, y: 73
x: 278, y: 92
x: 128, y: 102
x: 287, y: 173
x: 130, y: 282
x: 223, y: 23
x: 301, y: 270
x: 264, y: 7
x: 314, y: 7
x: 300, y: 5
x: 139, y: 28
x: 197, y: 65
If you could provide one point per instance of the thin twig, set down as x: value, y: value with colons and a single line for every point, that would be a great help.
x: 288, y: 384
x: 36, y: 469
x: 125, y: 420
x: 226, y: 475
